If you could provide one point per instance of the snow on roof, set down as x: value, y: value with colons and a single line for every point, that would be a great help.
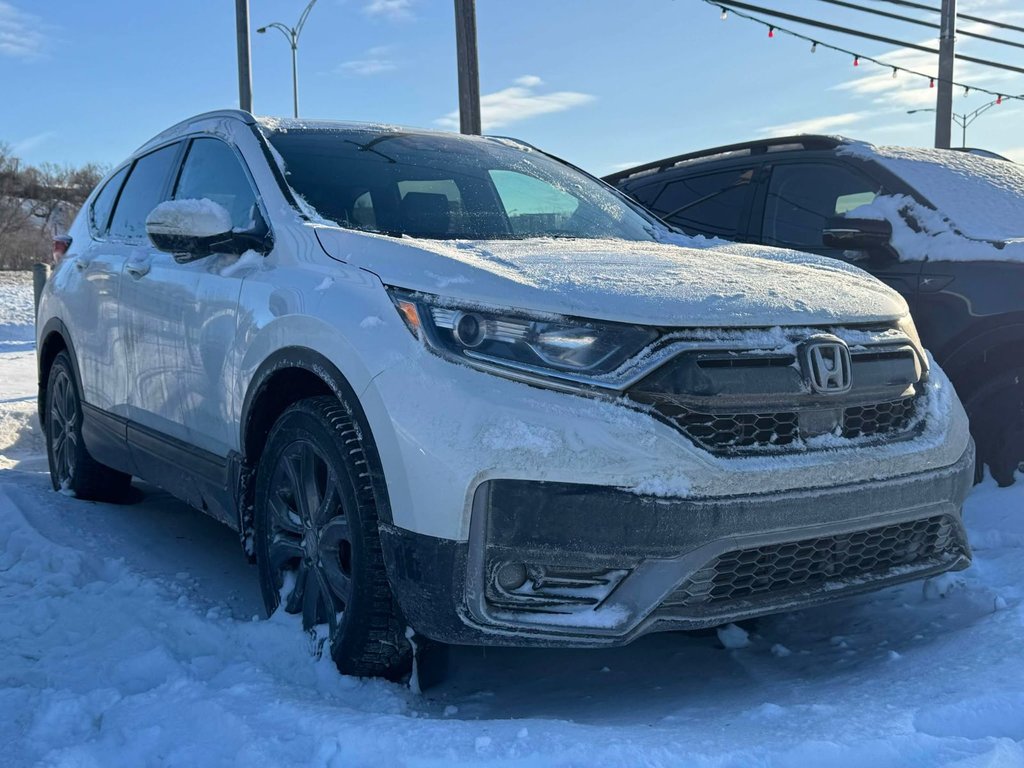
x: 982, y: 196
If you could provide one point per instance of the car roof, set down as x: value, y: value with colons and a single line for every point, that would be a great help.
x: 804, y: 142
x: 285, y: 124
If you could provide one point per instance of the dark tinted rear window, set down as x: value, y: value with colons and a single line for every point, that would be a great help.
x: 99, y: 212
x: 710, y: 204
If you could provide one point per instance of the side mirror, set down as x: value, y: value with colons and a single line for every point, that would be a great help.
x: 193, y: 229
x: 856, y: 234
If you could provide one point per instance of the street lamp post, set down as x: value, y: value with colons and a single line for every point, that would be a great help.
x: 292, y: 34
x: 962, y: 119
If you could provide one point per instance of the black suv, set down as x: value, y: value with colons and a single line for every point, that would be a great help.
x: 938, y: 226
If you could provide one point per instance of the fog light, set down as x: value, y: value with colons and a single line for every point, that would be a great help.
x: 511, y: 576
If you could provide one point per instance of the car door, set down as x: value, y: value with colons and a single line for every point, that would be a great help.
x: 91, y: 305
x: 213, y: 170
x: 151, y: 319
x: 802, y: 196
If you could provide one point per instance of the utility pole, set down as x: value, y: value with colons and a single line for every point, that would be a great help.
x: 244, y: 66
x: 944, y: 96
x: 469, y: 69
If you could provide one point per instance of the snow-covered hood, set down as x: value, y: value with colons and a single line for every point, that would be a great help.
x: 631, y: 282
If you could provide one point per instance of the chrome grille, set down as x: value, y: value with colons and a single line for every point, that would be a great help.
x: 775, y: 570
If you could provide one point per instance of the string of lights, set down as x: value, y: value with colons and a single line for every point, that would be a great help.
x: 735, y: 4
x: 921, y: 23
x: 774, y: 29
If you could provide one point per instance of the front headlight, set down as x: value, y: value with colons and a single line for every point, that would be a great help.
x: 906, y: 326
x: 582, y: 351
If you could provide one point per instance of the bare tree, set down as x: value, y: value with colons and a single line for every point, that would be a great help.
x: 37, y: 203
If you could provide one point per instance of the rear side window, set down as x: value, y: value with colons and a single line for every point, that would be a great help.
x: 144, y: 190
x: 710, y: 204
x: 212, y: 170
x: 802, y: 198
x: 103, y: 204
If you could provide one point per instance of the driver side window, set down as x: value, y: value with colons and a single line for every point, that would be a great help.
x: 213, y: 171
x: 802, y: 198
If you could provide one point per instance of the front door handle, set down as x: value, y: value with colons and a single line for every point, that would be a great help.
x: 137, y: 269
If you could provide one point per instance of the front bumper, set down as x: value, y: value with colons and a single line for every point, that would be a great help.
x: 605, y: 565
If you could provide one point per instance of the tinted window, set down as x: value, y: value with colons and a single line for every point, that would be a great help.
x: 710, y: 204
x: 447, y: 186
x: 802, y: 198
x: 99, y: 213
x: 143, y: 191
x: 213, y: 171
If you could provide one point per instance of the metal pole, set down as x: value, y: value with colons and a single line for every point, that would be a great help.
x: 944, y: 96
x: 469, y: 69
x: 244, y: 66
x: 295, y: 75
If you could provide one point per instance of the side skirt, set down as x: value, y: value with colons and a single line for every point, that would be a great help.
x: 202, y: 479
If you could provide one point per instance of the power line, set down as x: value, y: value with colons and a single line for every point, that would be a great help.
x: 733, y: 4
x: 772, y: 28
x: 964, y: 16
x: 920, y: 23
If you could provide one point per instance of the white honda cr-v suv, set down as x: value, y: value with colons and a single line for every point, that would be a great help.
x: 454, y: 385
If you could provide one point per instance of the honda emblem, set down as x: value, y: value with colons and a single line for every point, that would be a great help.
x: 827, y: 363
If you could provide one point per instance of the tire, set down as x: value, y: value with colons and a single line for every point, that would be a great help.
x: 71, y: 466
x: 318, y: 551
x: 996, y: 411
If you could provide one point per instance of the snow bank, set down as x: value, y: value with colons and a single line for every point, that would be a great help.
x: 17, y: 309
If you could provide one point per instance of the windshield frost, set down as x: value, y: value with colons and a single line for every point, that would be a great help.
x: 448, y: 187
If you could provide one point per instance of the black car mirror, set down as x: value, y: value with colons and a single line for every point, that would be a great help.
x: 851, y: 234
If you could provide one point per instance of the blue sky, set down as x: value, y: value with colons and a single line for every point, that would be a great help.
x: 602, y: 83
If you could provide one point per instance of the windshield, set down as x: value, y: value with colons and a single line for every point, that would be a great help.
x: 448, y: 187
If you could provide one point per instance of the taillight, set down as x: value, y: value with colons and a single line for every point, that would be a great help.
x: 61, y: 243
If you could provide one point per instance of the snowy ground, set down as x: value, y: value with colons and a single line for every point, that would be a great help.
x: 128, y: 638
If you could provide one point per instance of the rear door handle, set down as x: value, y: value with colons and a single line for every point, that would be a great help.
x: 137, y: 269
x: 82, y: 264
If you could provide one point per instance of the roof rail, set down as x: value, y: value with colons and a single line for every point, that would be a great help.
x: 237, y: 114
x: 752, y: 148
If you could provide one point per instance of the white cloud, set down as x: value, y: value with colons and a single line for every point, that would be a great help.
x: 822, y: 124
x: 373, y: 62
x: 390, y: 9
x: 28, y: 144
x: 519, y: 102
x: 20, y: 33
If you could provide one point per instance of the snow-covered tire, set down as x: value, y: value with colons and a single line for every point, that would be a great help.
x: 317, y: 545
x: 996, y: 410
x: 71, y: 466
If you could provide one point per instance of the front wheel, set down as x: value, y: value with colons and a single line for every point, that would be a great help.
x: 996, y: 411
x: 317, y: 546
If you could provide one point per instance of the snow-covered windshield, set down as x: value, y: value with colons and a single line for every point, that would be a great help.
x: 983, y: 197
x: 447, y: 187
